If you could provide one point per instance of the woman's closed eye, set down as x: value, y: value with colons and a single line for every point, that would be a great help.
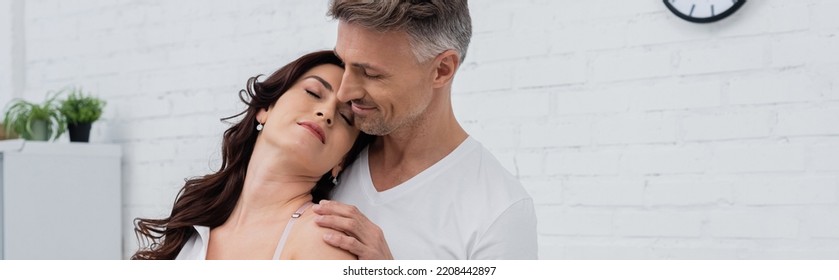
x: 348, y: 119
x: 312, y: 93
x: 346, y: 113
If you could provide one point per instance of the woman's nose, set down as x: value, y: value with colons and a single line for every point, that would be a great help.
x: 328, y: 119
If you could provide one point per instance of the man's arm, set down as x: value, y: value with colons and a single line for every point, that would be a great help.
x: 363, y: 238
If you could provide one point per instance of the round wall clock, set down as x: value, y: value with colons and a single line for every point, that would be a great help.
x: 703, y: 11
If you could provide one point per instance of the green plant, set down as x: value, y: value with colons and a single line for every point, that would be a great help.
x: 21, y: 114
x: 6, y: 133
x: 79, y: 108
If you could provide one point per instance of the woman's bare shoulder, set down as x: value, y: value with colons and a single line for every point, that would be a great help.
x: 307, y: 242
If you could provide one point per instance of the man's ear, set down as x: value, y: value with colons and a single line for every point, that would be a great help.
x: 445, y: 65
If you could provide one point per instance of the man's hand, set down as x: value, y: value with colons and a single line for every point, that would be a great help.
x: 363, y: 238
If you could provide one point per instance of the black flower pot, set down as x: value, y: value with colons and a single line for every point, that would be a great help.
x: 79, y: 132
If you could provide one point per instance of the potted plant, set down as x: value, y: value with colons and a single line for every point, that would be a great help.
x: 6, y: 133
x: 80, y: 111
x: 34, y: 121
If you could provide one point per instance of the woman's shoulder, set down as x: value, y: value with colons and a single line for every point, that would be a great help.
x: 306, y: 241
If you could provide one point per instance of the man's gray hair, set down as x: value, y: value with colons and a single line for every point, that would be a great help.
x: 433, y: 26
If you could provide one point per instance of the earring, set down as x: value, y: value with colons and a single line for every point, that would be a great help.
x: 259, y: 127
x: 335, y: 181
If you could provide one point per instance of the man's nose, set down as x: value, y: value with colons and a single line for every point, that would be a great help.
x: 350, y: 88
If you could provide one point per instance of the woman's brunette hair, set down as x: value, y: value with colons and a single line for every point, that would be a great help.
x: 209, y: 200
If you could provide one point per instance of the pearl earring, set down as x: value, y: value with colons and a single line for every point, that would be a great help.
x: 335, y: 181
x: 259, y: 127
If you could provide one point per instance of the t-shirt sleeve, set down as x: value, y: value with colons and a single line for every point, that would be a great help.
x: 512, y: 236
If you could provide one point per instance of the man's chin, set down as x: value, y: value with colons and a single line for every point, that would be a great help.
x: 373, y: 127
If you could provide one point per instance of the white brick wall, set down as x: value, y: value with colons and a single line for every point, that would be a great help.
x: 638, y: 134
x: 8, y: 32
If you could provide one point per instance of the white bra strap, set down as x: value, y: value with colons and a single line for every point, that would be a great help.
x: 287, y: 229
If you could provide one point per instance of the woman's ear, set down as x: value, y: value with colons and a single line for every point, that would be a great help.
x: 262, y: 115
x: 337, y: 169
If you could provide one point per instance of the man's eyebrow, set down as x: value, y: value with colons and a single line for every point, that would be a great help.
x: 366, y: 66
x: 322, y: 81
x: 357, y: 64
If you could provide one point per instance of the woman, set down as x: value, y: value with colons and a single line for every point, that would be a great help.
x: 294, y: 140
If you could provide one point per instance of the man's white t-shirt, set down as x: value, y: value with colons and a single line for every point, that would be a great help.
x: 466, y: 206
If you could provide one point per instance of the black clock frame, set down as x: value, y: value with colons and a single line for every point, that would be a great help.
x: 725, y: 14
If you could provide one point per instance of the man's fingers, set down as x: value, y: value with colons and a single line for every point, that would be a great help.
x: 355, y: 233
x: 348, y: 243
x: 341, y: 217
x: 341, y: 224
x: 327, y: 207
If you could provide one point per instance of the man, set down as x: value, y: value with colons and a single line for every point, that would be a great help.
x: 424, y: 189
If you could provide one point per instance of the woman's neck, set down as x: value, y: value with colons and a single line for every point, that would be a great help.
x: 270, y: 190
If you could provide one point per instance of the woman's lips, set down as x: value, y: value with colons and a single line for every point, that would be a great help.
x: 315, y: 130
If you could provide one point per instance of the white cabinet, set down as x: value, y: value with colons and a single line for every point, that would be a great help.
x: 60, y: 201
